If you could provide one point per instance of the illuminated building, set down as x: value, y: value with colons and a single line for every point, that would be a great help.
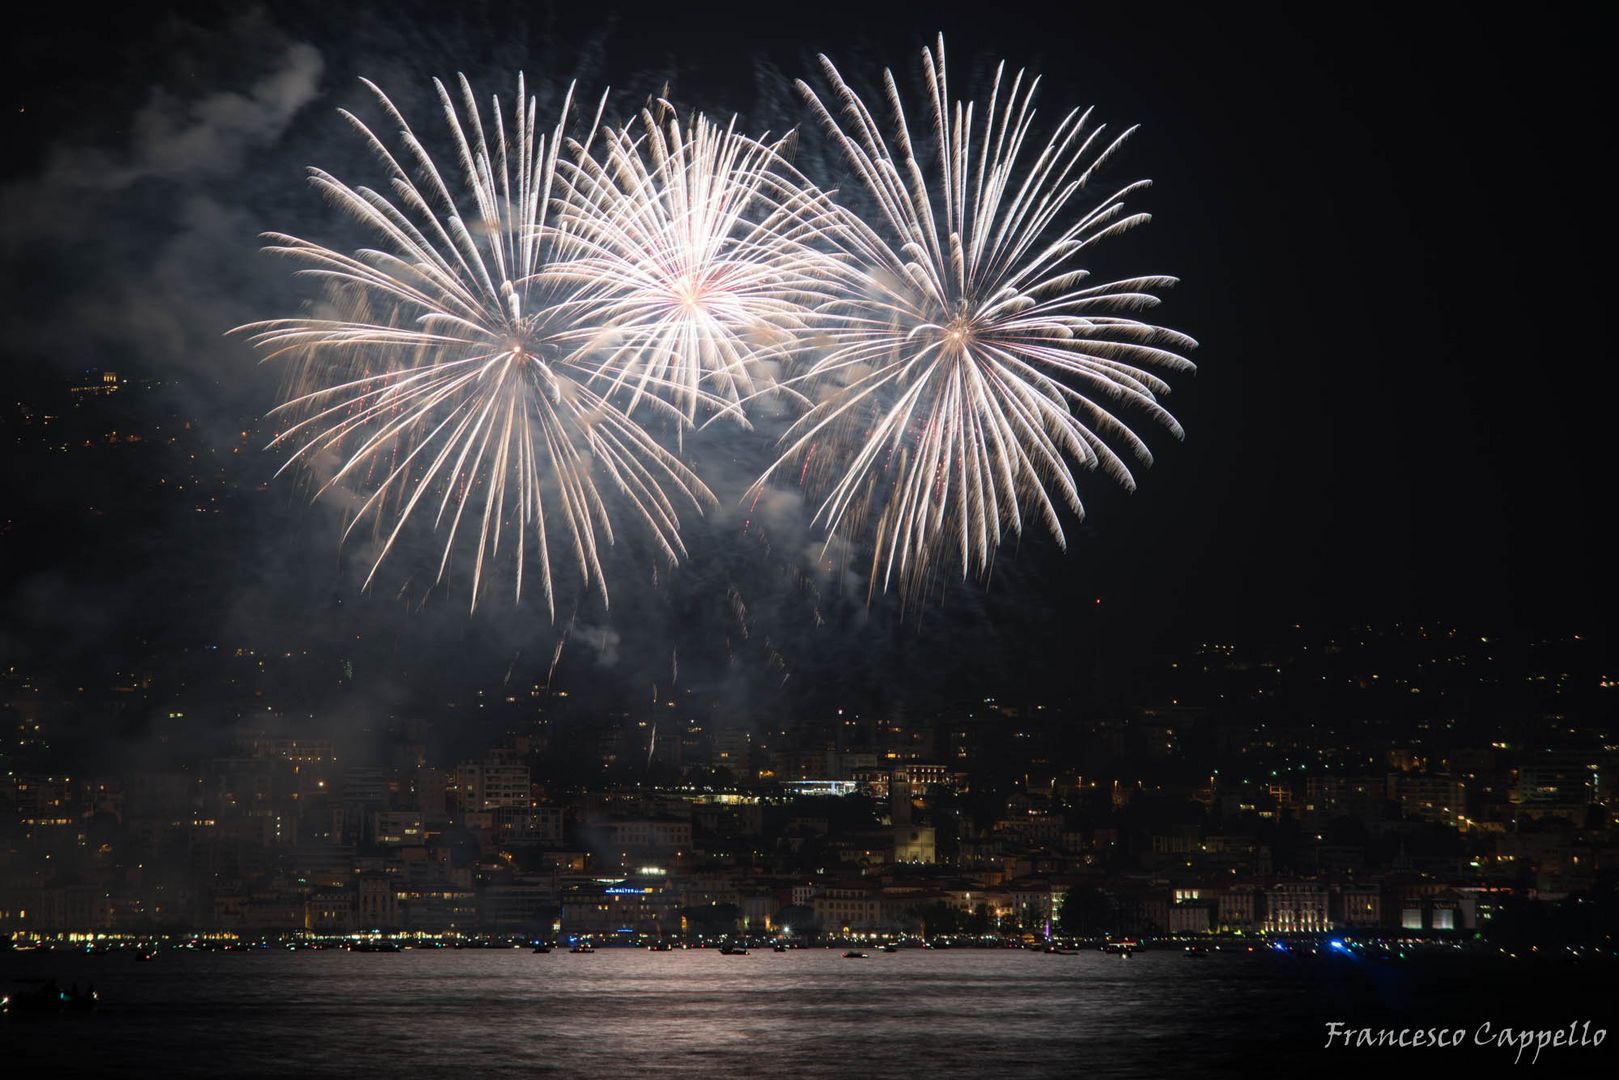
x: 1429, y: 798
x: 1296, y: 907
x: 492, y: 784
x: 96, y: 384
x: 378, y: 903
x: 396, y: 828
x: 914, y: 844
x: 1358, y: 906
x: 624, y: 907
x: 852, y: 906
x: 329, y: 911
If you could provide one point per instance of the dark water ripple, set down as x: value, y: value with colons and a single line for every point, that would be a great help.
x: 809, y: 1013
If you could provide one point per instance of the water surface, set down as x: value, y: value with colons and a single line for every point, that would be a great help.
x: 806, y: 1013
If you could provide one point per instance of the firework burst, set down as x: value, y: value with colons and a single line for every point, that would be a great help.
x: 978, y: 359
x: 447, y: 383
x: 701, y: 252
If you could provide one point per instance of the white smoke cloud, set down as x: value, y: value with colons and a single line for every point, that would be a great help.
x: 142, y: 250
x: 175, y: 139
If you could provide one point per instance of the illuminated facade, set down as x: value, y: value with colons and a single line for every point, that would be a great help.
x: 853, y: 907
x: 914, y: 844
x: 1296, y: 907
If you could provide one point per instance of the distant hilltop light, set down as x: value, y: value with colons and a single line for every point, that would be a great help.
x: 95, y: 383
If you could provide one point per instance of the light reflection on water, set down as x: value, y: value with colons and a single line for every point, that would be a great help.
x: 621, y: 1013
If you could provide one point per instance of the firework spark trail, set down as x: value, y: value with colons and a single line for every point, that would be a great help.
x: 703, y: 254
x: 978, y: 358
x: 960, y: 361
x: 556, y: 655
x: 450, y: 379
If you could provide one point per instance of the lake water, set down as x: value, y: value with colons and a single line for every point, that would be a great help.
x: 807, y: 1013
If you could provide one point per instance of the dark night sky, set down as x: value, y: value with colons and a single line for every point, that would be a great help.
x: 1390, y: 227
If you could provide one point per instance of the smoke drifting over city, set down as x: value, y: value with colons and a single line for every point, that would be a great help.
x: 197, y: 153
x: 194, y: 177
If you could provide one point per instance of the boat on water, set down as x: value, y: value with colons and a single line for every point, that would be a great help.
x: 47, y: 996
x: 146, y: 954
x: 659, y: 946
x: 1059, y: 950
x: 1123, y: 948
x: 542, y: 948
x: 75, y: 1001
x: 854, y: 954
x: 890, y: 948
x: 733, y: 950
x: 583, y: 949
x: 1196, y: 951
x: 779, y: 947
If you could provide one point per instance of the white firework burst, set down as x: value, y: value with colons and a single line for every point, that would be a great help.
x: 979, y: 362
x: 444, y: 385
x: 703, y: 257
